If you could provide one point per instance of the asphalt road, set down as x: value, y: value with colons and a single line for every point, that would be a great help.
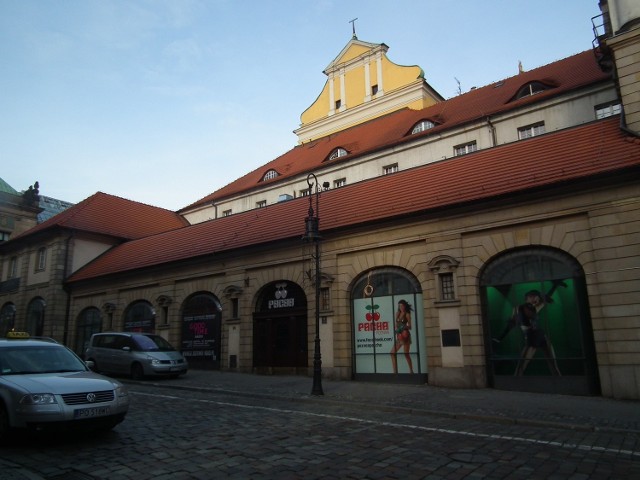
x: 180, y: 434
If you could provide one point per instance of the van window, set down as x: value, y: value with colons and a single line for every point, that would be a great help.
x: 153, y: 343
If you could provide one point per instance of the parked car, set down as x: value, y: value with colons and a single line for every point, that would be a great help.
x: 45, y: 386
x: 135, y: 354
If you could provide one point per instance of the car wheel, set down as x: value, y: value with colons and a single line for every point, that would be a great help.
x: 137, y: 372
x: 4, y: 424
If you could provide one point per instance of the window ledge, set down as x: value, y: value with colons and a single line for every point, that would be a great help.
x: 447, y: 303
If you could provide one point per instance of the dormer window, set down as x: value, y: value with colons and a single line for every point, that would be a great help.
x: 531, y: 89
x: 269, y: 175
x: 421, y: 126
x: 337, y: 153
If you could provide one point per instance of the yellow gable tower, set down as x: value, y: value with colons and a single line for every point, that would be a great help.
x: 363, y: 84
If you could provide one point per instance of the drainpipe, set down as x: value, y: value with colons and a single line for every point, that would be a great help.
x: 66, y: 287
x: 492, y: 129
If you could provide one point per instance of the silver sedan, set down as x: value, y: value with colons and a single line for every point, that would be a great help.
x: 44, y: 385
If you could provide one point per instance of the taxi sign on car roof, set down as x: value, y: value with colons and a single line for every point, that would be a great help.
x: 17, y: 335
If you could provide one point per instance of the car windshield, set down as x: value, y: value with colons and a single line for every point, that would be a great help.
x: 21, y: 360
x: 153, y: 343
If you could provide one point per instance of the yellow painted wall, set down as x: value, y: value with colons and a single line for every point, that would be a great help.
x: 394, y: 77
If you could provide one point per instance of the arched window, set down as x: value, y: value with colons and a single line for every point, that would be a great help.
x: 35, y: 317
x: 388, y: 325
x: 202, y: 330
x: 531, y: 89
x: 140, y: 317
x: 269, y: 175
x: 89, y: 322
x: 337, y: 153
x: 537, y: 323
x: 421, y: 126
x: 7, y: 318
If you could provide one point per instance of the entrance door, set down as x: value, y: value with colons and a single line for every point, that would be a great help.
x: 280, y: 327
x: 280, y: 342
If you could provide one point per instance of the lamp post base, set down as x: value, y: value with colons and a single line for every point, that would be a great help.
x: 317, y: 370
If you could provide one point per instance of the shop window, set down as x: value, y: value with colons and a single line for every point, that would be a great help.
x: 7, y: 318
x: 140, y: 317
x: 388, y: 325
x: 89, y: 322
x: 35, y: 317
x: 537, y: 325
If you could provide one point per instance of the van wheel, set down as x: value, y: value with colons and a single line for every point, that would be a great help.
x: 137, y: 372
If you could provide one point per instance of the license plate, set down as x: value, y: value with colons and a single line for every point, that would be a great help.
x: 91, y: 412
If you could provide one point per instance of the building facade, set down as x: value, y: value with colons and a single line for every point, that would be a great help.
x: 488, y: 240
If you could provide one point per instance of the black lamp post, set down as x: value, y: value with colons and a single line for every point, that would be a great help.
x: 312, y: 234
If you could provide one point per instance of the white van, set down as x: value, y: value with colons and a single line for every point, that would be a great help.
x: 135, y: 354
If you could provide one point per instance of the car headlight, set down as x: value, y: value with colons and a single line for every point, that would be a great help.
x: 38, y: 399
x: 121, y: 391
x: 155, y: 361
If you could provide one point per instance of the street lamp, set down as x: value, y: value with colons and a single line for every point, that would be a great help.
x: 312, y: 234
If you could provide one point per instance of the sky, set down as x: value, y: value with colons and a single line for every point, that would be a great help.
x: 165, y: 101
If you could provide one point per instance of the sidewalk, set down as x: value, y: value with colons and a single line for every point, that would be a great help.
x: 575, y: 412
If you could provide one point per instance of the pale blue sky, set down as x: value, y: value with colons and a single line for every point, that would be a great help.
x: 165, y: 101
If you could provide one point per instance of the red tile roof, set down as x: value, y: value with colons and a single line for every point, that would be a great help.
x: 570, y: 155
x: 114, y: 216
x: 565, y: 75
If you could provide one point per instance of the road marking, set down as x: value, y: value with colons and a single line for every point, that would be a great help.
x: 571, y: 446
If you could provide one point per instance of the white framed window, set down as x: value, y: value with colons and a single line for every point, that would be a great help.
x: 466, y: 148
x: 374, y: 89
x: 269, y: 175
x: 421, y: 126
x: 261, y: 204
x: 41, y: 260
x: 531, y: 130
x: 390, y: 169
x: 603, y: 111
x: 341, y: 182
x: 226, y: 213
x: 4, y: 236
x: 305, y: 193
x: 337, y: 153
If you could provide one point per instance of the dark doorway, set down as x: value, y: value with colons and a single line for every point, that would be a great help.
x: 280, y: 327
